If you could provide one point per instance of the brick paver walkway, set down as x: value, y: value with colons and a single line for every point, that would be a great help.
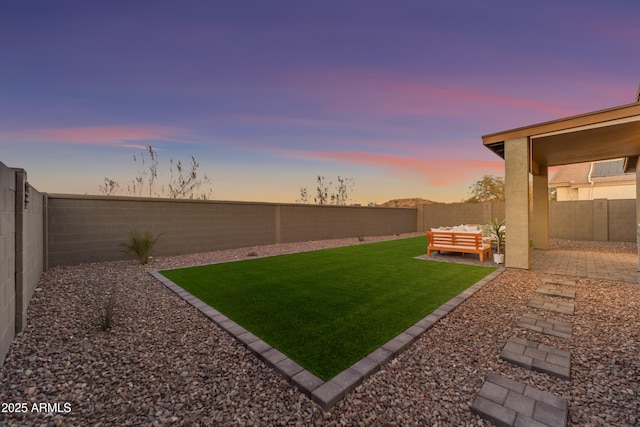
x: 511, y: 404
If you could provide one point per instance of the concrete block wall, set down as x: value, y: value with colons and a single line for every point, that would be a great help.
x: 439, y: 215
x: 308, y: 222
x: 93, y: 228
x: 491, y: 211
x: 622, y: 220
x: 30, y: 247
x: 601, y: 219
x: 21, y: 251
x: 7, y: 259
x: 571, y: 220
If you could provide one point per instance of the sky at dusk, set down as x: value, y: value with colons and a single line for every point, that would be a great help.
x: 268, y: 94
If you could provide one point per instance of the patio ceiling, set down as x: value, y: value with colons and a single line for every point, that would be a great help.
x: 600, y: 135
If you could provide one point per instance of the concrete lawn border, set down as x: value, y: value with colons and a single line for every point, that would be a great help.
x: 325, y: 393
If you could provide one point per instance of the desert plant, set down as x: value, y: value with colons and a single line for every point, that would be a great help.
x: 325, y: 195
x: 105, y: 314
x: 304, y: 195
x: 109, y: 187
x: 498, y: 231
x: 184, y: 182
x: 141, y: 244
x: 361, y: 237
x: 322, y: 191
x: 345, y: 185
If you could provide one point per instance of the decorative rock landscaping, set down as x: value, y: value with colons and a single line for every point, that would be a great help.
x: 325, y: 394
x: 166, y: 363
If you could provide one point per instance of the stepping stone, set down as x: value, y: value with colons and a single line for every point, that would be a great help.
x: 545, y: 325
x: 557, y: 291
x: 561, y: 282
x: 505, y: 402
x: 537, y: 357
x: 557, y: 307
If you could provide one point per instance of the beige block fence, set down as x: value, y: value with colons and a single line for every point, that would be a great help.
x: 39, y: 230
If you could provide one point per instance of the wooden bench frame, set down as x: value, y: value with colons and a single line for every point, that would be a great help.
x: 455, y: 241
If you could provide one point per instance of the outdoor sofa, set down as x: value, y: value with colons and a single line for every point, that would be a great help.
x: 463, y: 239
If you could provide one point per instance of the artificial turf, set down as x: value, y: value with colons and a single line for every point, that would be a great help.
x: 327, y: 309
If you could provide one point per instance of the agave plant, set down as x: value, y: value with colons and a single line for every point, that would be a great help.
x: 141, y: 244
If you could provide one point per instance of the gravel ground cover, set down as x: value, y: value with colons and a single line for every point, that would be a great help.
x: 163, y: 363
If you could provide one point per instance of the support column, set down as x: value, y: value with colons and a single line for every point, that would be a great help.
x: 516, y: 158
x: 541, y: 208
x: 638, y: 214
x: 278, y: 225
x: 22, y: 293
x: 420, y: 217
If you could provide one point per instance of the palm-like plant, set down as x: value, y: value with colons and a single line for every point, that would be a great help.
x: 498, y: 231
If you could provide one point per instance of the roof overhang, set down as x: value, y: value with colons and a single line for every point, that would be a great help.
x: 600, y: 135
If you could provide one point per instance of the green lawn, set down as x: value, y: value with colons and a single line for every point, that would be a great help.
x: 328, y: 309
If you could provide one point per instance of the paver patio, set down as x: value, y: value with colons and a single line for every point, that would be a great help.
x: 618, y: 266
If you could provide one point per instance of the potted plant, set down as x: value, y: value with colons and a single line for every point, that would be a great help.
x: 498, y: 231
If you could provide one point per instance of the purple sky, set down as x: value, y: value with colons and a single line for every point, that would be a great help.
x: 269, y: 94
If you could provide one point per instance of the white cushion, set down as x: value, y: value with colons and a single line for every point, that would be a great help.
x: 483, y: 246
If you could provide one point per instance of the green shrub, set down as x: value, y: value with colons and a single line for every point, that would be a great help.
x: 141, y: 244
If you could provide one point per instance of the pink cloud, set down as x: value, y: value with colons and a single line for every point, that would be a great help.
x: 445, y: 95
x: 437, y: 171
x: 98, y: 135
x: 283, y: 120
x: 361, y: 91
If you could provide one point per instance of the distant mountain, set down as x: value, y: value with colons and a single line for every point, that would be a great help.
x: 408, y: 203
